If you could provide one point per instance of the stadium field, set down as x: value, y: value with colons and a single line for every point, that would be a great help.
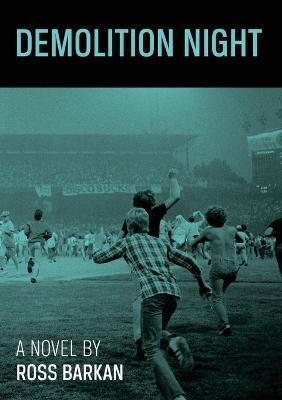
x: 76, y: 300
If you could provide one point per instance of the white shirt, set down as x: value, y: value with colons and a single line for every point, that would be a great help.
x: 51, y: 243
x: 193, y: 230
x: 73, y: 241
x: 180, y: 233
x: 21, y: 237
x: 88, y: 238
x: 243, y: 236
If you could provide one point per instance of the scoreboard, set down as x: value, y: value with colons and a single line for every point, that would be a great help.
x: 266, y: 157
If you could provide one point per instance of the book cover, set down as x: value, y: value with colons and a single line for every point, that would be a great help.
x: 140, y: 234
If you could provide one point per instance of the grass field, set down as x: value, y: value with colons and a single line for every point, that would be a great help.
x: 244, y: 366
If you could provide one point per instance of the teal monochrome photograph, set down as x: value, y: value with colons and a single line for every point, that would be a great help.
x: 141, y: 236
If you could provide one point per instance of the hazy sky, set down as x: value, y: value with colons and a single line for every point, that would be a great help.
x: 217, y: 116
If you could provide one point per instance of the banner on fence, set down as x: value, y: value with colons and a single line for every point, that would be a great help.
x: 95, y: 188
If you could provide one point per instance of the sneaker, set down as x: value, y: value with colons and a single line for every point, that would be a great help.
x: 180, y: 349
x: 140, y: 355
x: 225, y: 330
x: 30, y: 265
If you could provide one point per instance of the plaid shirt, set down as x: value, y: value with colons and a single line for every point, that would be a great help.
x: 149, y: 259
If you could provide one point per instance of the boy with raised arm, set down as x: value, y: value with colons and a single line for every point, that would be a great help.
x: 149, y: 258
x: 146, y: 199
x: 224, y: 265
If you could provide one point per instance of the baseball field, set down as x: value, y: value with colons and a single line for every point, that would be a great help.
x: 76, y: 301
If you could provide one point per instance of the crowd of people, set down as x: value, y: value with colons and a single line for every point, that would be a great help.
x: 240, y: 205
x: 29, y: 170
x: 150, y: 244
x: 25, y: 171
x: 81, y: 242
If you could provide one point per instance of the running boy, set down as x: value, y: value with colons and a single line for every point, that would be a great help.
x: 223, y: 261
x: 149, y: 259
x: 37, y: 232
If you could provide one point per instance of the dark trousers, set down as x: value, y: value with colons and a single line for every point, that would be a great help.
x: 278, y: 254
x: 51, y: 253
x: 156, y: 313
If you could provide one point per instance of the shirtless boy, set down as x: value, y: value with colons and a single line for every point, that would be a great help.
x: 224, y: 266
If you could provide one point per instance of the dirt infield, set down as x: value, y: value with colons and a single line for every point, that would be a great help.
x: 73, y: 268
x: 65, y: 269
